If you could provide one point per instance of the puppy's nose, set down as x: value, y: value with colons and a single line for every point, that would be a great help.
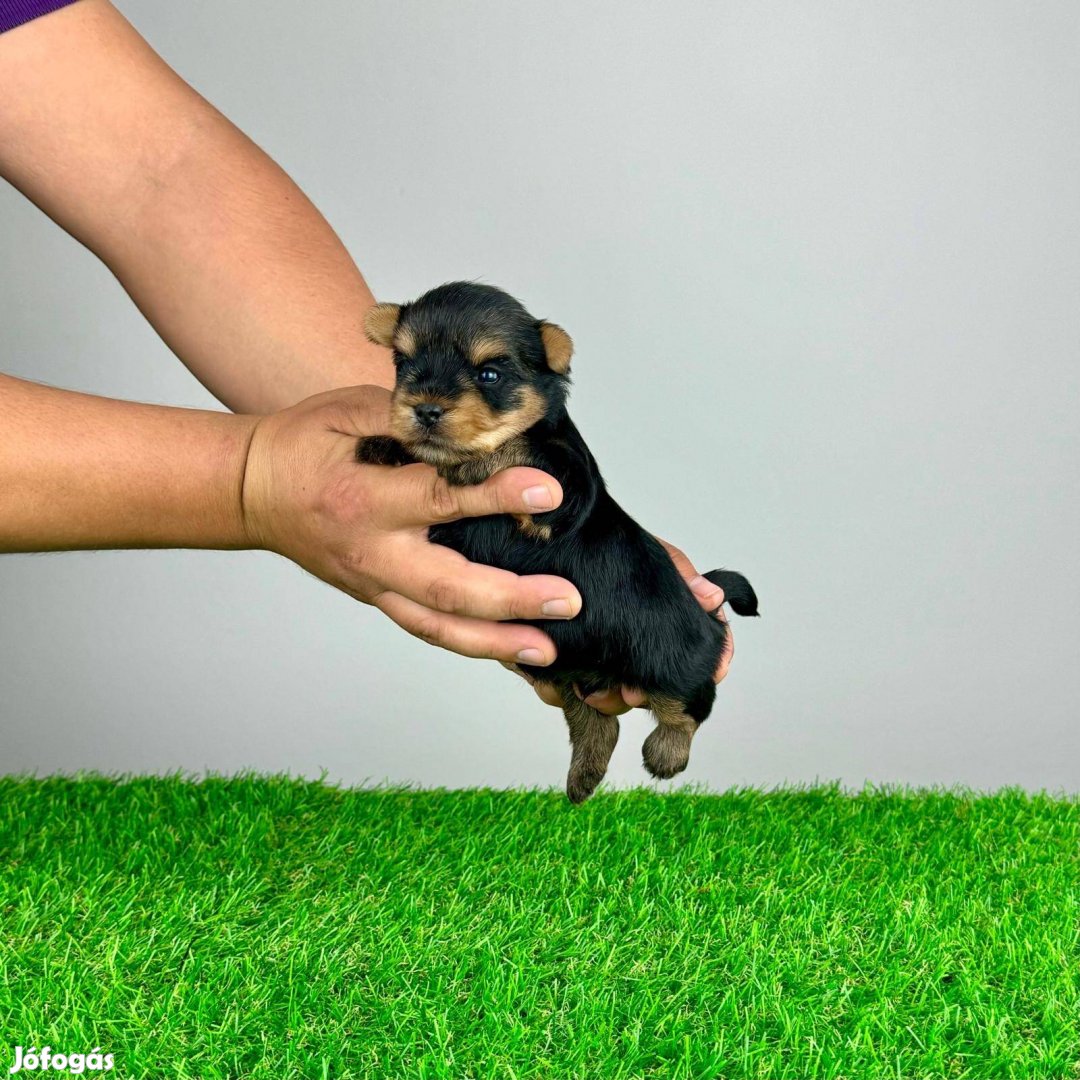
x: 428, y: 414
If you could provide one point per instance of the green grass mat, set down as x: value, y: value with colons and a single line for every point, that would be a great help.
x: 268, y: 927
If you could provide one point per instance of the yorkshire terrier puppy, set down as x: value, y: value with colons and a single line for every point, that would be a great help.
x: 482, y: 385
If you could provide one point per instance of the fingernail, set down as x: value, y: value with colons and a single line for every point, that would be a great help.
x: 531, y: 656
x: 538, y: 498
x: 703, y: 587
x: 560, y: 609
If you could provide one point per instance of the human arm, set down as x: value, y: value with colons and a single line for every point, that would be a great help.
x: 79, y: 472
x: 230, y: 262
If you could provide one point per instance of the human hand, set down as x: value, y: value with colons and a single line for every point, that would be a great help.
x: 616, y: 701
x: 363, y: 529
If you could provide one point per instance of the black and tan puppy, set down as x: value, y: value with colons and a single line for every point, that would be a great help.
x: 482, y: 385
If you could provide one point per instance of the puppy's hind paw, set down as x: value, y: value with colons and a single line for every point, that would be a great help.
x: 582, y: 782
x: 666, y: 752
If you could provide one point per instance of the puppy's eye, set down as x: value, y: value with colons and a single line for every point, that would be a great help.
x: 488, y: 375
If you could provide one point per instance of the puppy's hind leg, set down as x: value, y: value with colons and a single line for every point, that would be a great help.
x: 667, y: 750
x: 592, y: 740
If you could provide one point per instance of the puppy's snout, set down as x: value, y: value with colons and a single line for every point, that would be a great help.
x: 428, y: 414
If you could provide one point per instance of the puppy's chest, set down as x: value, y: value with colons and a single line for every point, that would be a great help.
x: 514, y: 452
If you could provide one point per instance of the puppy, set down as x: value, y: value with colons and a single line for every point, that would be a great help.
x: 482, y: 385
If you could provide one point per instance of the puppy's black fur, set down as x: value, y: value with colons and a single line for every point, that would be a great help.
x: 482, y: 385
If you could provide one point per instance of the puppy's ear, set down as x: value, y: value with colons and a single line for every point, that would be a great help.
x: 380, y: 322
x: 557, y: 346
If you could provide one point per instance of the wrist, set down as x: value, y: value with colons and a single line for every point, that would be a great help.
x: 253, y: 486
x: 240, y: 523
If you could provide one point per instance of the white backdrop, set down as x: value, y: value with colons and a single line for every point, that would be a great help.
x: 821, y: 268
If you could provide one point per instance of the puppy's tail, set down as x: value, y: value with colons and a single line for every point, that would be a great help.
x: 738, y: 592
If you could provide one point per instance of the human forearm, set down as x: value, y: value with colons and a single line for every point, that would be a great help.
x: 241, y: 276
x: 78, y: 471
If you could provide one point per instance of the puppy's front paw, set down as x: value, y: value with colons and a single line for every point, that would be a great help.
x: 666, y: 752
x: 382, y: 450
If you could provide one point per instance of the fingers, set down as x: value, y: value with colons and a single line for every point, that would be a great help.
x: 726, y: 655
x: 356, y: 410
x: 517, y: 671
x: 609, y: 702
x: 678, y: 557
x: 709, y: 596
x: 547, y: 693
x: 469, y: 637
x: 417, y: 496
x: 444, y: 580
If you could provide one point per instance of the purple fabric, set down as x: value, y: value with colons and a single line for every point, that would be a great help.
x: 16, y: 12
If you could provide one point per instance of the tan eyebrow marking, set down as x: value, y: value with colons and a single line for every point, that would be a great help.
x: 486, y: 348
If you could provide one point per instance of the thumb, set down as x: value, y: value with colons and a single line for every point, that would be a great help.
x: 420, y: 496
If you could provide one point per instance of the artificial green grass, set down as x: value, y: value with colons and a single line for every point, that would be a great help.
x: 247, y: 927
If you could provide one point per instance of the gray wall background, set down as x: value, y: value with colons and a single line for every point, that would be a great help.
x: 821, y: 265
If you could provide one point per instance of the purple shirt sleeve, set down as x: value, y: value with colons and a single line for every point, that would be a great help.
x: 16, y: 12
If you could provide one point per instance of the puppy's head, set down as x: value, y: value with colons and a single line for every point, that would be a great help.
x: 474, y: 370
